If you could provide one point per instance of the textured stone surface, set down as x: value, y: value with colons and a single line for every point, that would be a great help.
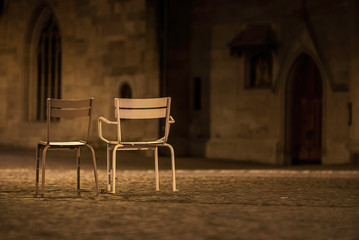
x: 104, y: 44
x: 210, y: 204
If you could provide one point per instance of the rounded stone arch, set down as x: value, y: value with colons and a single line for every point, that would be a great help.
x: 290, y: 94
x: 41, y: 14
x: 125, y: 90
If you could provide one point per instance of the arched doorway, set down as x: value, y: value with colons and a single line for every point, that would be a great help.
x: 305, y: 112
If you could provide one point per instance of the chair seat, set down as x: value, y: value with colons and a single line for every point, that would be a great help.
x: 65, y: 144
x: 136, y: 144
x: 142, y: 143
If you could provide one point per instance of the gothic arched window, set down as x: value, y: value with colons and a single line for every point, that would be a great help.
x: 48, y: 63
x: 44, y: 63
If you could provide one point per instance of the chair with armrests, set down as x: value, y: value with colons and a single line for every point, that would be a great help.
x: 65, y: 108
x: 151, y: 108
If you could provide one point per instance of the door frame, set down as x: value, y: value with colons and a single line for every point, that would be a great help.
x: 288, y: 94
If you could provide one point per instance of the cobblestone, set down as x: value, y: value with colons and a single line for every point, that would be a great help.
x: 210, y: 204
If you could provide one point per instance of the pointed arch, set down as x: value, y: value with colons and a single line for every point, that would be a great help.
x: 43, y: 61
x: 304, y: 101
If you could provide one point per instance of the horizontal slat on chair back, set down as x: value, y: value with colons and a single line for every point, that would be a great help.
x: 60, y: 103
x: 143, y: 113
x: 143, y: 103
x: 69, y: 113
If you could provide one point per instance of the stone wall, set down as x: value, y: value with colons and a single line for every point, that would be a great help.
x: 180, y: 48
x: 104, y: 44
x: 250, y: 124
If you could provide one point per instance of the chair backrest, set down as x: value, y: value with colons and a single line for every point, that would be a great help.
x: 69, y: 108
x: 149, y: 108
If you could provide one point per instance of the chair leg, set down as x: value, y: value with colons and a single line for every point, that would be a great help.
x: 94, y: 167
x: 113, y: 184
x: 108, y: 173
x: 156, y: 169
x: 174, y: 189
x: 43, y: 161
x: 37, y: 169
x: 78, y: 169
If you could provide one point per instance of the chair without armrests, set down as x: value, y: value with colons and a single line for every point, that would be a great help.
x: 151, y: 108
x: 65, y: 108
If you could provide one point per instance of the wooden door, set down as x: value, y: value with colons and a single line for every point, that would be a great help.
x: 306, y: 127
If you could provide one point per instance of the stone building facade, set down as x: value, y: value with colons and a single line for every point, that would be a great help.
x: 269, y: 81
x: 103, y: 48
x: 300, y: 106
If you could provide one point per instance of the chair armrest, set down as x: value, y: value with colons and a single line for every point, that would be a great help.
x: 171, y: 120
x: 99, y: 127
x: 106, y: 120
x: 168, y: 126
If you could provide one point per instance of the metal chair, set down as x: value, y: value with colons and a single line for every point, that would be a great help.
x: 65, y: 108
x: 152, y: 108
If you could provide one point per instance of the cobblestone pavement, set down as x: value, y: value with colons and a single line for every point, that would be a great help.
x: 210, y: 204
